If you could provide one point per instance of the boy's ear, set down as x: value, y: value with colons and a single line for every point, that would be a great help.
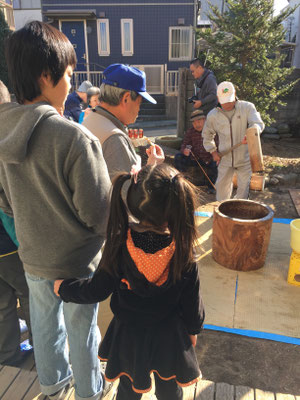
x: 45, y: 80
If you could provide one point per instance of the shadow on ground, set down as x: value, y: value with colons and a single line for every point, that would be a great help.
x: 242, y: 361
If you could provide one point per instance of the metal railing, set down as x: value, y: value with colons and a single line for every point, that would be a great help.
x: 172, y: 79
x: 95, y: 77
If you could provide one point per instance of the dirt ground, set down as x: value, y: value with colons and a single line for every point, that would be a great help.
x: 238, y: 360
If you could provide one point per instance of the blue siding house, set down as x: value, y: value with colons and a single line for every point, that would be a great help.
x: 157, y: 36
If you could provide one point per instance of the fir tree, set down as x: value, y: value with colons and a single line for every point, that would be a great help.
x: 244, y: 49
x: 4, y: 32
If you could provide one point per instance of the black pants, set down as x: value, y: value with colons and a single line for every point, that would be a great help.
x: 164, y: 390
x: 13, y: 287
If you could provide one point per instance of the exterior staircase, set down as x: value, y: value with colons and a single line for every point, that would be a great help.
x: 153, y: 115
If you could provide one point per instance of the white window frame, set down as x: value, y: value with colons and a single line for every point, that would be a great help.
x: 126, y: 52
x: 190, y: 50
x: 102, y: 52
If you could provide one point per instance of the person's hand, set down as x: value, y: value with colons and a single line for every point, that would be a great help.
x: 244, y: 141
x: 187, y: 152
x: 57, y: 284
x: 193, y: 340
x: 197, y: 103
x: 216, y: 157
x: 155, y: 155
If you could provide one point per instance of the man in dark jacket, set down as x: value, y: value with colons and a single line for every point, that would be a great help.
x: 73, y: 104
x: 206, y: 86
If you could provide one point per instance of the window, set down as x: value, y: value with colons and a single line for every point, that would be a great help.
x: 103, y: 37
x: 180, y: 43
x: 127, y: 37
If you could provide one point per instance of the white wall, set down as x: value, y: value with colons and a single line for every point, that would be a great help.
x: 24, y: 16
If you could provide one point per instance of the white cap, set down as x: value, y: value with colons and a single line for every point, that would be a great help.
x: 226, y: 92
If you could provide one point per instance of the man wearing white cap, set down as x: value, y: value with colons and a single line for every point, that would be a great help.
x: 229, y: 121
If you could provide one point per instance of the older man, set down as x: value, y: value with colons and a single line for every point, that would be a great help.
x: 230, y: 121
x: 192, y: 150
x: 121, y: 94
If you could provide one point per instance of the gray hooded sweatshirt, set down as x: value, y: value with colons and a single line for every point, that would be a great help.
x: 55, y: 183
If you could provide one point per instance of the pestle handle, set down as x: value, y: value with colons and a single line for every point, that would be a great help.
x: 230, y: 149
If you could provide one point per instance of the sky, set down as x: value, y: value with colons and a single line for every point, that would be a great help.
x: 279, y: 4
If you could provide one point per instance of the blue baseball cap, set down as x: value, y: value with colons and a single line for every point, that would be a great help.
x: 128, y: 78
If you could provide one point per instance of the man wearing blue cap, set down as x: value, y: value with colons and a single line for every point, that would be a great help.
x: 121, y: 94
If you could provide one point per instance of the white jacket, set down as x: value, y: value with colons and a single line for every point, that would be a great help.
x: 231, y: 133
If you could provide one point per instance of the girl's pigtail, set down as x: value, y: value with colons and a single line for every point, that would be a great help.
x: 117, y: 226
x: 182, y: 199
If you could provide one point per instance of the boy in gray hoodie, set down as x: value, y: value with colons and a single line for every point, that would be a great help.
x: 54, y: 182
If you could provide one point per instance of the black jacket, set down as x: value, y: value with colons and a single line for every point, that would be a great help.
x: 145, y: 303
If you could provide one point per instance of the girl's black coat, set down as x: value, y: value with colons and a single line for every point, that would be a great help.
x: 145, y: 304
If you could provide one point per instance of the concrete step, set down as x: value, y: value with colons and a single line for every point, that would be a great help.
x: 144, y: 117
x: 154, y: 124
x: 150, y: 106
x: 160, y: 98
x: 154, y: 111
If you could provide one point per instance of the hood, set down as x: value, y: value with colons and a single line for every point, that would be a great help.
x: 17, y: 124
x: 146, y: 274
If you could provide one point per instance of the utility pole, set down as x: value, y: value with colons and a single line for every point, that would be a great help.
x: 223, y: 7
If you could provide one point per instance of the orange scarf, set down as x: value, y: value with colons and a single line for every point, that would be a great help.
x: 155, y: 267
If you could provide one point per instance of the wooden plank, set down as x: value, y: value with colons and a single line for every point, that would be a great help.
x: 20, y: 385
x: 244, y: 393
x: 7, y: 376
x: 295, y: 196
x: 34, y: 392
x: 189, y: 392
x: 262, y: 395
x: 282, y: 396
x: 205, y: 390
x: 224, y: 391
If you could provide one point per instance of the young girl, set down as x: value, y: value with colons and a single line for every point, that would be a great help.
x: 150, y: 270
x: 92, y: 101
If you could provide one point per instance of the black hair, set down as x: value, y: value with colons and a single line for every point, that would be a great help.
x: 160, y: 195
x: 197, y: 63
x: 92, y: 91
x: 35, y: 49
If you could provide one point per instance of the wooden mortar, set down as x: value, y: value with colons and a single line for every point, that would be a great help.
x: 241, y: 234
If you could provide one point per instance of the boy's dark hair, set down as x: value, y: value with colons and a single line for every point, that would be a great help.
x: 32, y: 50
x: 197, y: 63
x: 161, y: 194
x: 4, y: 94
